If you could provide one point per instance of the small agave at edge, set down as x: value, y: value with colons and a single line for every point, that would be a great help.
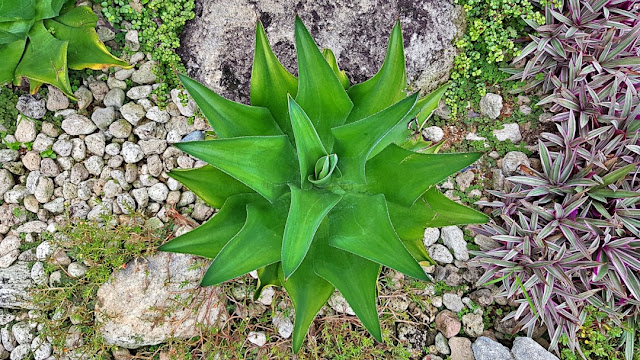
x: 313, y: 188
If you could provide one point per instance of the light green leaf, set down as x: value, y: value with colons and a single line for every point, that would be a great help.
x: 46, y: 9
x: 267, y: 276
x: 308, y: 292
x: 308, y: 143
x: 15, y: 30
x: 265, y: 163
x: 356, y: 278
x: 270, y: 82
x: 360, y: 224
x: 11, y: 10
x: 355, y: 141
x: 209, y: 238
x: 403, y: 176
x: 256, y: 245
x: 331, y: 60
x: 229, y: 118
x: 45, y: 60
x: 308, y: 209
x: 432, y: 210
x: 10, y: 55
x: 383, y: 89
x: 210, y: 184
x: 320, y: 93
x: 85, y: 48
x: 429, y: 103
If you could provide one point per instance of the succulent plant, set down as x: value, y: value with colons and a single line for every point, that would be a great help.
x: 313, y: 187
x: 40, y: 39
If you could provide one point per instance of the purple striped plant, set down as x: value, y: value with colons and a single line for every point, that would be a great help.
x: 569, y: 236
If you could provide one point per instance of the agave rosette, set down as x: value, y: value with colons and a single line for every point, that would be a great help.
x: 313, y: 187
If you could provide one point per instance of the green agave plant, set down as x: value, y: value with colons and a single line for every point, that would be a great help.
x: 313, y: 189
x: 40, y: 39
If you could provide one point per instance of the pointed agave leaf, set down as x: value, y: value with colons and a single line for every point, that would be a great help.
x: 356, y: 278
x: 228, y: 118
x: 16, y: 10
x: 210, y: 184
x: 320, y: 93
x: 308, y: 292
x: 331, y: 59
x: 267, y: 276
x: 45, y: 60
x: 432, y: 210
x: 360, y: 224
x: 403, y: 176
x: 382, y: 90
x: 209, y: 238
x: 265, y: 163
x: 308, y: 209
x: 270, y: 81
x: 85, y: 50
x: 308, y: 143
x: 355, y: 141
x: 11, y: 54
x: 48, y: 9
x: 256, y: 245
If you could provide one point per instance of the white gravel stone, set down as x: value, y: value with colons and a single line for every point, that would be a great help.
x: 491, y: 105
x: 55, y: 206
x: 25, y: 130
x: 188, y: 109
x: 56, y: 99
x: 41, y: 349
x: 139, y: 92
x: 95, y: 143
x: 508, y: 132
x: 433, y: 133
x: 452, y: 302
x: 512, y: 161
x: 9, y: 251
x: 78, y: 125
x: 84, y: 96
x: 132, y: 112
x: 23, y: 333
x: 144, y: 75
x: 77, y: 270
x: 115, y: 98
x: 157, y: 115
x: 20, y: 352
x: 6, y: 181
x: 257, y: 338
x: 37, y: 273
x: 131, y: 40
x: 103, y: 117
x: 158, y: 192
x: 431, y: 236
x: 131, y: 152
x: 453, y: 238
x: 440, y: 254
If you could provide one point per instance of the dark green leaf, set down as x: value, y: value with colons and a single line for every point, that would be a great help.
x: 331, y: 59
x: 228, y: 118
x: 209, y: 238
x: 11, y: 10
x: 308, y: 209
x: 264, y: 163
x: 403, y: 176
x: 270, y: 81
x: 256, y: 245
x: 382, y: 90
x: 308, y: 143
x: 267, y: 276
x: 210, y: 184
x: 46, y: 9
x: 360, y: 224
x: 355, y: 141
x: 320, y: 93
x: 11, y: 54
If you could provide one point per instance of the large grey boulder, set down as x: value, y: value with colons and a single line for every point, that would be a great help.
x: 15, y: 282
x: 149, y: 301
x: 217, y: 46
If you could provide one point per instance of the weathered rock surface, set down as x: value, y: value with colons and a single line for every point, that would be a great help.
x: 217, y: 45
x: 15, y: 282
x: 137, y: 306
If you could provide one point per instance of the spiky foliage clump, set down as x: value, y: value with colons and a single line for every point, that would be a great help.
x: 41, y: 39
x: 313, y: 189
x: 570, y: 236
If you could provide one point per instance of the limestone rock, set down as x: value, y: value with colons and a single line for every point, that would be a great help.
x: 217, y: 42
x: 132, y: 307
x: 15, y: 283
x: 486, y: 349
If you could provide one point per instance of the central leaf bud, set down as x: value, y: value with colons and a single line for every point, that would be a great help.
x: 323, y: 169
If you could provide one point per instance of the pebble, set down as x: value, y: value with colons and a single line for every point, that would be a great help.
x: 131, y: 40
x: 99, y: 89
x: 442, y: 345
x: 158, y: 192
x: 157, y: 115
x: 460, y: 348
x: 31, y: 106
x: 196, y: 135
x: 84, y: 96
x: 473, y: 324
x: 453, y: 238
x: 9, y: 251
x: 431, y: 236
x: 132, y: 112
x: 485, y: 348
x: 465, y: 179
x: 257, y: 338
x: 131, y: 152
x: 452, y: 302
x: 78, y: 125
x: 512, y: 161
x: 509, y: 132
x: 186, y: 110
x: 448, y: 324
x: 77, y: 270
x: 25, y: 130
x: 115, y: 98
x: 20, y: 352
x: 491, y: 105
x: 433, y: 133
x: 23, y: 333
x: 525, y: 348
x: 56, y: 99
x: 440, y: 254
x: 144, y: 75
x: 284, y: 325
x: 139, y: 92
x: 41, y: 349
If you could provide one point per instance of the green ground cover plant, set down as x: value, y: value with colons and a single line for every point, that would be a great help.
x: 41, y: 39
x: 302, y: 178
